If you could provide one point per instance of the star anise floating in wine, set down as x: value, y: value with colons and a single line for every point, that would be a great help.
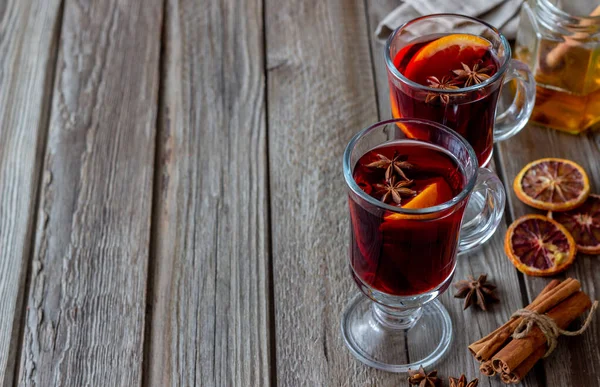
x: 457, y: 79
x: 396, y: 181
x: 394, y: 190
x: 473, y: 75
x: 462, y: 382
x: 396, y: 164
x: 447, y: 83
x: 423, y: 379
x: 478, y: 292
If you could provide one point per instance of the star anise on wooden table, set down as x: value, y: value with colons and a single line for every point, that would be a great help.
x: 446, y: 83
x: 462, y: 382
x: 396, y: 164
x: 423, y: 379
x: 394, y: 190
x: 478, y: 292
x: 472, y: 75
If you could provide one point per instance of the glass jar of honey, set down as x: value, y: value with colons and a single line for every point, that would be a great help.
x: 560, y: 41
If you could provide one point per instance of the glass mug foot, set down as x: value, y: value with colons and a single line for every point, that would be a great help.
x: 379, y: 336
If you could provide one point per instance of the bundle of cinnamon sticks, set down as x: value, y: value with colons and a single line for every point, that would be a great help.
x: 511, y: 358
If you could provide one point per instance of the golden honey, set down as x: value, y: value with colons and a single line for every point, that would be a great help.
x: 563, y: 52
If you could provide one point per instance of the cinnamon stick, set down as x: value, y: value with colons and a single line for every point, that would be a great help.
x: 505, y: 378
x: 518, y: 350
x: 522, y: 369
x: 549, y: 297
x: 487, y: 369
x: 555, y: 56
x: 479, y: 344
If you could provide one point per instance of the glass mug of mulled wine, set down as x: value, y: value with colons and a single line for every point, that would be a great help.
x: 407, y: 198
x: 450, y: 69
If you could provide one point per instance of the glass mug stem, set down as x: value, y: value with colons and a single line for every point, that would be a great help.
x: 393, y: 318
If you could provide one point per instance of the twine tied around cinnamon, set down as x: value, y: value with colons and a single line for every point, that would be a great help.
x: 547, y: 325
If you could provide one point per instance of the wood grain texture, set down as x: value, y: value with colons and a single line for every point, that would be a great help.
x: 86, y: 303
x: 320, y: 93
x: 28, y: 44
x: 575, y: 361
x: 210, y: 315
x: 472, y: 324
x: 376, y: 12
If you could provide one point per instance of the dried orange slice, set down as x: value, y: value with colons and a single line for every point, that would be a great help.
x: 539, y: 246
x: 436, y: 57
x: 583, y: 223
x: 552, y: 184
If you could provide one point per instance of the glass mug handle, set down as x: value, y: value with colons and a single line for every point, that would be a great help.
x: 488, y: 196
x: 515, y: 117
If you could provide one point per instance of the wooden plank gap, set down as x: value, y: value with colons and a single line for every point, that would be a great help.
x: 269, y: 216
x: 154, y: 234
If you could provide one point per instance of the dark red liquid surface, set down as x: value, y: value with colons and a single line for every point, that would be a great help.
x: 470, y: 114
x: 402, y: 254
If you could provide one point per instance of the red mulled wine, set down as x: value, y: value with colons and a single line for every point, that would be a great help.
x: 398, y: 253
x: 449, y: 62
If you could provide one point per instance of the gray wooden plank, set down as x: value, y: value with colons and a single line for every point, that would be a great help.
x: 86, y: 303
x: 377, y: 11
x: 320, y: 92
x: 28, y: 44
x: 209, y: 293
x: 575, y: 361
x: 472, y: 324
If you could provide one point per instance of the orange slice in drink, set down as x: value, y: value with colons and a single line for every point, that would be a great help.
x: 411, y: 131
x: 539, y: 246
x: 583, y: 223
x: 552, y: 184
x: 447, y: 52
x: 436, y: 192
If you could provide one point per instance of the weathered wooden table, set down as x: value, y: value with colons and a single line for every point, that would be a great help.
x: 172, y: 207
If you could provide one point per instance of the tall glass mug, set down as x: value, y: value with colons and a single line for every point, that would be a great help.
x: 403, y: 244
x: 450, y: 69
